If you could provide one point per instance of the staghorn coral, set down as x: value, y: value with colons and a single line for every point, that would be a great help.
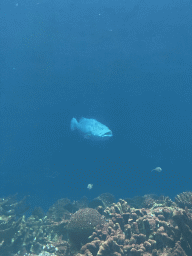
x: 11, y: 220
x: 43, y: 235
x: 9, y: 206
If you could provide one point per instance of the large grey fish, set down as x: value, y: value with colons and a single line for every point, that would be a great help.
x: 91, y: 129
x: 157, y: 169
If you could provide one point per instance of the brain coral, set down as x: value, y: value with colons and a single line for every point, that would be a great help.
x: 82, y: 224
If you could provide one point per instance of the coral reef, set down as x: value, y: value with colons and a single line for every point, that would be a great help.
x: 156, y: 227
x: 184, y: 200
x: 104, y: 200
x: 147, y: 201
x: 64, y: 207
x: 158, y: 230
x: 10, y: 223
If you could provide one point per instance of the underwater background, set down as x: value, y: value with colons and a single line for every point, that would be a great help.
x: 126, y: 64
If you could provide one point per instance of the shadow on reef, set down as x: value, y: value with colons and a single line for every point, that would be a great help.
x: 141, y: 226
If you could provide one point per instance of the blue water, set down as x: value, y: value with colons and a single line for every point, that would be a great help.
x: 126, y: 64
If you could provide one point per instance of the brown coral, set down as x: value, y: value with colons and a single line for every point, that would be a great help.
x: 184, y: 200
x: 160, y: 230
x: 82, y: 224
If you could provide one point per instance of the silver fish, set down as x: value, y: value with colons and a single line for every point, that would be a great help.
x: 90, y: 186
x: 91, y: 129
x: 157, y: 169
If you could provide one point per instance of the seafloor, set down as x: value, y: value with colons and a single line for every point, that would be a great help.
x: 141, y: 226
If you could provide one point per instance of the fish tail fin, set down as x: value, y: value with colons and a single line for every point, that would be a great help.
x: 74, y: 124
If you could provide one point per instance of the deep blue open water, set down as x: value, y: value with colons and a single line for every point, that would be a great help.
x: 127, y: 64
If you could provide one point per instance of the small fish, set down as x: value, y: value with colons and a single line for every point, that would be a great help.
x: 91, y: 129
x: 90, y: 186
x: 157, y: 169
